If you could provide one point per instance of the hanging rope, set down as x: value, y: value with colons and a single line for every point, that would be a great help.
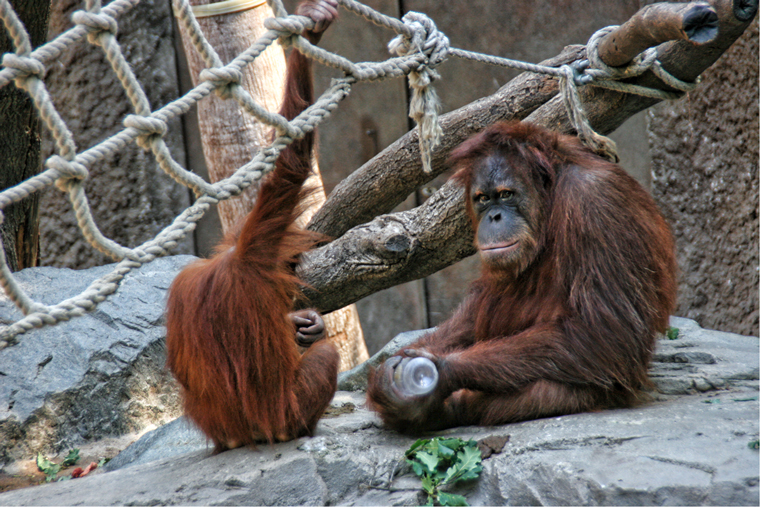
x: 424, y: 106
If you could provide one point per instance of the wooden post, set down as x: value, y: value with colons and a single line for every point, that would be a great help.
x: 20, y: 145
x: 231, y: 137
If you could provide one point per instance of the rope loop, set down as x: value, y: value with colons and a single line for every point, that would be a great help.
x: 672, y: 81
x: 96, y: 24
x: 424, y: 106
x: 26, y: 66
x: 223, y: 79
x: 148, y: 129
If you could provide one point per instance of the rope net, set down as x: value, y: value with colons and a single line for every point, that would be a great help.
x: 419, y: 47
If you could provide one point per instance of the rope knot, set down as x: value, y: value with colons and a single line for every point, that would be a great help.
x: 433, y: 45
x: 69, y: 171
x: 97, y: 24
x: 148, y: 128
x: 26, y: 66
x: 223, y: 78
x: 425, y: 39
x: 289, y: 26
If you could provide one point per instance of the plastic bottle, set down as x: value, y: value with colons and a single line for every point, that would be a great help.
x: 419, y: 376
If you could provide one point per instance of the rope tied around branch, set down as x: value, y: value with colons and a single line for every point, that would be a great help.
x: 425, y: 105
x: 605, y: 76
x: 595, y: 72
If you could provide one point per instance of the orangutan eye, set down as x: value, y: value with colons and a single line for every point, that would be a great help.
x: 506, y: 194
x: 482, y: 199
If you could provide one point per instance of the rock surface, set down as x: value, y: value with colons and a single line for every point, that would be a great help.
x: 95, y: 376
x: 688, y: 447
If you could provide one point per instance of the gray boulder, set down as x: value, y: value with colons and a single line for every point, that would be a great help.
x: 95, y: 376
x: 688, y: 446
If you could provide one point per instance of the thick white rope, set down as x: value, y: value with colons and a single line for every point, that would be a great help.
x: 420, y: 48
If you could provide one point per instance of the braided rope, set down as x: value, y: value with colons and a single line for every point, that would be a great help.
x: 420, y: 48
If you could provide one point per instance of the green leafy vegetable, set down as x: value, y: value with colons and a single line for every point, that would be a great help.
x: 47, y: 467
x: 755, y: 444
x: 71, y: 458
x: 443, y: 461
x: 51, y: 469
x: 672, y: 333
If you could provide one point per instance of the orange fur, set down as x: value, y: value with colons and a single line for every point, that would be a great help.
x: 230, y: 342
x: 563, y: 322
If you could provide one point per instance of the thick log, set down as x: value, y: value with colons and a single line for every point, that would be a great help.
x: 389, y: 250
x: 365, y: 260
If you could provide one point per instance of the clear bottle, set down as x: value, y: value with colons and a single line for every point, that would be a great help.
x: 419, y: 376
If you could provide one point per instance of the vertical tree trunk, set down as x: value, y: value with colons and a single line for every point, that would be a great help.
x: 20, y: 145
x: 231, y: 138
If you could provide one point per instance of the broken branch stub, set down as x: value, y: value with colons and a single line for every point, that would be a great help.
x: 655, y: 24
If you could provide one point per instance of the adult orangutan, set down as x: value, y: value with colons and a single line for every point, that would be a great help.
x: 231, y: 341
x: 578, y: 279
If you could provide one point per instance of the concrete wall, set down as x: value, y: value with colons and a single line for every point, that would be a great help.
x: 704, y: 151
x: 131, y: 198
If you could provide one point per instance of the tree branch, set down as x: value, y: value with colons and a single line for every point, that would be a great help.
x: 655, y: 24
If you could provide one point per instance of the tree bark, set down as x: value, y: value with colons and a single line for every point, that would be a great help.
x: 229, y: 135
x: 20, y: 146
x: 231, y: 138
x: 401, y: 247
